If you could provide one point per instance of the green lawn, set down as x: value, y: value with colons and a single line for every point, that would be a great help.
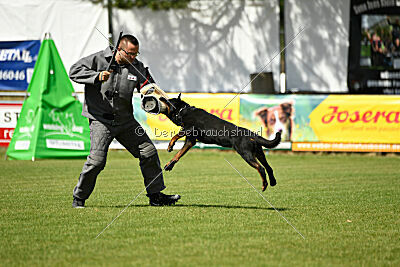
x: 346, y: 206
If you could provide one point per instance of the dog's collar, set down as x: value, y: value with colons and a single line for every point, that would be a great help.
x: 177, y: 117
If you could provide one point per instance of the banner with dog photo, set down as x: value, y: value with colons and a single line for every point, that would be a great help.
x: 268, y: 114
x: 325, y: 122
x: 307, y: 122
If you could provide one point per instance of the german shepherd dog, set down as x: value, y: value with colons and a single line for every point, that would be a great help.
x: 199, y: 125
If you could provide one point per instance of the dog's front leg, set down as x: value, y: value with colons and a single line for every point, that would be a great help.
x: 189, y: 143
x: 179, y: 135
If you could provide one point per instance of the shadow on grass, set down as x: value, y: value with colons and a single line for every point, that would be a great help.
x: 194, y: 206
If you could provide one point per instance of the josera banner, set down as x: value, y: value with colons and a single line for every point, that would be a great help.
x: 310, y: 122
x: 327, y: 122
x: 363, y: 119
x: 17, y: 62
x: 354, y: 123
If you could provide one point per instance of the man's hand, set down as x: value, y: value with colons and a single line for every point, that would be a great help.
x: 104, y: 75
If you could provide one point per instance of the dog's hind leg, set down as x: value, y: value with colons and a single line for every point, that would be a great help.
x: 261, y: 157
x: 251, y: 160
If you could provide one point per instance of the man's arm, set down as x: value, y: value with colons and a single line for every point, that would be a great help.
x: 84, y: 71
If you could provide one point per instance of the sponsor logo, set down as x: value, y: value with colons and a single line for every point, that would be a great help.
x: 339, y: 115
x: 62, y: 123
x: 16, y: 55
x: 358, y: 119
x: 22, y: 145
x: 9, y: 115
x: 65, y: 144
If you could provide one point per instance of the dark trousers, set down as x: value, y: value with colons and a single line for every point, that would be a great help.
x: 135, y: 140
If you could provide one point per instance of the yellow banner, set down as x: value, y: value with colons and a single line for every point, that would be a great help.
x: 357, y: 119
x: 163, y: 129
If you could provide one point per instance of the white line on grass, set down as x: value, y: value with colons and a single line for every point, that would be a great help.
x: 265, y: 199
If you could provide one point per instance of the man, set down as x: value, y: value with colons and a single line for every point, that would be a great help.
x: 108, y: 106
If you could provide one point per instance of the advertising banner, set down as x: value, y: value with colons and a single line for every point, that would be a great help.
x: 363, y: 123
x: 17, y: 61
x: 159, y: 127
x: 9, y: 113
x: 356, y: 123
x: 374, y: 51
x: 360, y: 119
x: 268, y: 114
x: 326, y: 122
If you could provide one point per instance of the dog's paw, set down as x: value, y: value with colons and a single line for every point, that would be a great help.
x: 170, y: 148
x: 170, y: 165
x: 265, y: 185
x: 272, y: 182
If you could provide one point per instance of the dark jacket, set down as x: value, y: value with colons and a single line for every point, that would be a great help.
x: 111, y: 101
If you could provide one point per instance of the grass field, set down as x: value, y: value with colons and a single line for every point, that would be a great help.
x: 346, y: 206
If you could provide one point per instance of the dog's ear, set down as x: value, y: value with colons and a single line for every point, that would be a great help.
x: 286, y: 108
x: 261, y: 112
x: 179, y: 96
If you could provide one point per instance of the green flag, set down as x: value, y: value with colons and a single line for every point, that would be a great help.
x: 50, y: 124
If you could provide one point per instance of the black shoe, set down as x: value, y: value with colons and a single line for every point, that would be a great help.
x: 78, y: 203
x: 160, y: 199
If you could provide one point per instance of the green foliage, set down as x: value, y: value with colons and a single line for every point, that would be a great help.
x: 346, y: 206
x: 152, y: 4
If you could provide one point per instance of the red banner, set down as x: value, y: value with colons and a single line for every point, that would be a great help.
x: 9, y: 113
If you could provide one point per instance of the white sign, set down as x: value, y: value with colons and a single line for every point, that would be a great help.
x: 65, y: 144
x: 22, y: 145
x: 9, y: 115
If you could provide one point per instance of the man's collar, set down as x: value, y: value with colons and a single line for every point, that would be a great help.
x: 108, y: 52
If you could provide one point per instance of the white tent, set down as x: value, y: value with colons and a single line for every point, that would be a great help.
x: 211, y: 47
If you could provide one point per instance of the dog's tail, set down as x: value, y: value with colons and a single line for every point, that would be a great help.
x: 270, y: 143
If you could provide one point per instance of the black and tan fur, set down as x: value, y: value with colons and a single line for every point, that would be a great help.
x: 199, y: 125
